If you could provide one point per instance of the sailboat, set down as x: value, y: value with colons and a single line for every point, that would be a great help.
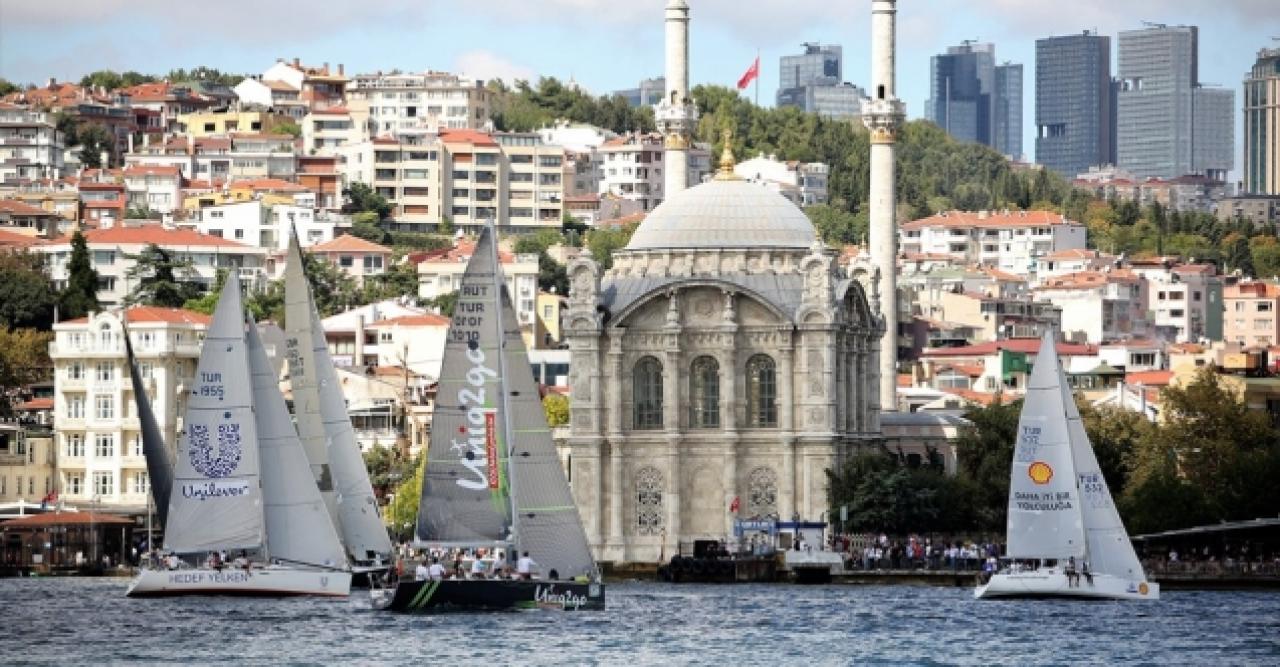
x: 492, y: 478
x: 1059, y: 505
x: 324, y: 425
x: 241, y: 481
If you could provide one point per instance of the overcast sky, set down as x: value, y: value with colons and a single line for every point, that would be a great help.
x: 603, y: 44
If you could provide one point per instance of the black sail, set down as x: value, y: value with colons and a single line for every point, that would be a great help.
x: 159, y: 462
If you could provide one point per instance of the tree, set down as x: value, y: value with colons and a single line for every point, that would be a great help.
x: 443, y: 303
x: 26, y: 297
x: 155, y: 278
x: 883, y: 491
x: 1117, y: 435
x: 361, y: 197
x: 364, y: 225
x: 140, y: 213
x: 94, y: 140
x: 24, y: 359
x: 399, y: 280
x: 556, y: 407
x: 603, y: 241
x: 206, y: 302
x: 80, y: 297
x: 387, y: 469
x: 838, y: 227
x: 287, y: 127
x: 538, y: 242
x: 984, y: 453
x: 552, y: 275
x: 402, y: 513
x: 7, y: 87
x: 333, y: 289
x: 112, y: 80
x: 204, y: 74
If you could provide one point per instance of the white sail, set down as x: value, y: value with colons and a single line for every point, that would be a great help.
x: 1045, y: 520
x: 216, y: 501
x: 1109, y: 549
x: 298, y: 526
x: 356, y: 510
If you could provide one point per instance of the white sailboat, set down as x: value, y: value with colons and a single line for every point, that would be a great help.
x: 324, y: 425
x: 1059, y: 505
x: 242, y: 482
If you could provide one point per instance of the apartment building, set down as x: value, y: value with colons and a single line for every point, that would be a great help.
x: 325, y: 130
x: 1099, y: 306
x: 1251, y: 314
x: 440, y: 272
x: 260, y: 224
x: 110, y: 252
x: 804, y: 183
x: 169, y: 101
x: 294, y: 88
x: 1185, y: 299
x: 28, y: 463
x: 19, y: 218
x: 409, y: 104
x: 154, y: 187
x: 631, y: 167
x: 100, y: 458
x: 221, y: 123
x: 1008, y: 240
x: 355, y: 256
x: 31, y: 147
x: 220, y: 159
x: 534, y: 174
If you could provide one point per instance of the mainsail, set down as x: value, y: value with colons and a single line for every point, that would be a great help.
x: 1109, y: 549
x: 159, y: 462
x: 323, y: 421
x: 1044, y: 504
x: 490, y: 447
x: 298, y: 525
x: 217, y: 502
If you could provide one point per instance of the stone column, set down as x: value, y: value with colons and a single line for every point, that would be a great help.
x: 675, y: 115
x: 617, y: 491
x: 786, y: 423
x: 671, y: 376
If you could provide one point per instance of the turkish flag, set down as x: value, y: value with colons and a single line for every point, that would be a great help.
x: 733, y: 506
x: 752, y: 73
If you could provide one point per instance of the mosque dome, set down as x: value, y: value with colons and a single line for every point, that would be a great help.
x: 725, y: 212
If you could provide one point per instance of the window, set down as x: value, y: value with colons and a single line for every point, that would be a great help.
x: 373, y: 262
x: 104, y: 257
x: 144, y: 370
x: 104, y: 407
x: 106, y: 371
x: 239, y: 233
x: 75, y: 371
x: 762, y: 392
x: 704, y: 393
x: 647, y: 389
x: 135, y: 446
x: 762, y: 492
x: 75, y: 407
x: 75, y: 484
x: 649, y: 508
x: 104, y: 445
x: 546, y: 312
x: 1264, y: 306
x: 139, y: 483
x: 104, y: 483
x: 1239, y: 306
x: 345, y: 261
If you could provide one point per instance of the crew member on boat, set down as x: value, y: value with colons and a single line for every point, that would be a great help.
x: 525, y: 566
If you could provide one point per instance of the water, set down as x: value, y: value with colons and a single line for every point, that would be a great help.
x: 79, y: 621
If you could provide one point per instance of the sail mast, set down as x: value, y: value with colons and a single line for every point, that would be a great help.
x: 499, y: 282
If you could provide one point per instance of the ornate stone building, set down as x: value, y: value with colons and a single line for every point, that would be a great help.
x: 723, y: 356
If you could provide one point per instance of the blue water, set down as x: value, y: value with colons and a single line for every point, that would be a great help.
x: 82, y: 621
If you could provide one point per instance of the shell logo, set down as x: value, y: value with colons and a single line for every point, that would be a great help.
x: 1143, y: 588
x: 1040, y: 472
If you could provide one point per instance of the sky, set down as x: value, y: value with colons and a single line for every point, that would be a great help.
x: 604, y: 45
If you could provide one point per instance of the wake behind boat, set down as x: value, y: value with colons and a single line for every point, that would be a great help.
x: 1060, y: 509
x: 493, y: 478
x: 241, y: 481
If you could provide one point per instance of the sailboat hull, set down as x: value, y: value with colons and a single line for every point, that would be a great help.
x: 264, y: 582
x: 1054, y: 584
x: 489, y: 595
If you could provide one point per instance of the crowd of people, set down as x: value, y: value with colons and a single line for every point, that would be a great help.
x: 1243, y: 558
x: 867, y: 551
x: 440, y: 564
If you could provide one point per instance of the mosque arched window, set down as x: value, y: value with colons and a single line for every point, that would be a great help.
x: 704, y: 393
x: 762, y: 392
x: 649, y: 509
x: 647, y: 393
x: 762, y: 492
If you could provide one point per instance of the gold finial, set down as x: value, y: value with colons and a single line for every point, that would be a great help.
x: 726, y: 172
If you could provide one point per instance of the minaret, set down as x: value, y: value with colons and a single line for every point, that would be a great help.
x: 883, y: 114
x: 676, y: 114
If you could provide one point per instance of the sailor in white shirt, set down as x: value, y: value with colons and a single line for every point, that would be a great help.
x: 420, y: 572
x: 477, y: 567
x: 525, y: 566
x: 436, y: 572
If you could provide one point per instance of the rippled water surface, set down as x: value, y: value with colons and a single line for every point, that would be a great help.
x: 78, y: 621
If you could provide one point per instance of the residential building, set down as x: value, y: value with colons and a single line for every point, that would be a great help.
x: 1185, y: 299
x: 19, y: 218
x: 110, y: 251
x: 154, y: 187
x: 223, y: 122
x: 100, y: 458
x: 1169, y: 124
x: 1261, y: 210
x: 1262, y: 125
x: 295, y: 87
x: 169, y: 101
x: 355, y: 256
x: 1075, y: 105
x: 1134, y: 356
x: 1011, y: 241
x: 104, y: 198
x: 31, y: 147
x: 412, y: 342
x: 1099, y: 306
x: 1252, y: 313
x: 325, y: 130
x: 813, y: 82
x: 473, y: 162
x: 319, y: 174
x: 647, y: 94
x: 440, y: 272
x: 1184, y: 193
x: 408, y: 175
x: 1002, y: 364
x: 401, y: 104
x: 631, y: 168
x: 220, y: 159
x: 259, y: 224
x: 1006, y: 133
x: 548, y: 310
x: 353, y: 344
x: 1071, y: 261
x: 28, y: 463
x: 275, y: 96
x: 804, y: 183
x: 534, y: 180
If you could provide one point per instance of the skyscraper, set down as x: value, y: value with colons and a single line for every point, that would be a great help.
x: 1262, y: 125
x: 1007, y: 136
x: 1213, y: 132
x: 812, y: 82
x: 1074, y: 103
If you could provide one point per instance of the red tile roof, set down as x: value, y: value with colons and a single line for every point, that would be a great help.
x: 1149, y: 378
x: 272, y: 184
x: 1252, y: 290
x: 143, y: 314
x: 153, y: 170
x: 979, y: 397
x: 1023, y: 345
x: 472, y: 137
x: 461, y: 251
x: 1089, y: 279
x: 1074, y: 253
x: 66, y: 519
x: 904, y: 379
x: 12, y: 241
x: 349, y: 243
x: 152, y: 233
x: 425, y: 320
x: 35, y: 404
x: 15, y: 207
x: 954, y: 219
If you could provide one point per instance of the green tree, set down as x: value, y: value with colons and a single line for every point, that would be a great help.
x: 155, y: 276
x: 1240, y: 256
x: 94, y: 140
x: 538, y: 242
x: 140, y: 213
x: 399, y: 280
x: 552, y: 275
x: 445, y: 228
x: 984, y: 452
x: 886, y: 492
x: 112, y: 80
x: 287, y: 127
x: 1265, y: 253
x: 556, y: 407
x: 361, y: 197
x: 7, y: 87
x: 838, y: 227
x: 603, y: 241
x: 364, y: 225
x: 388, y: 468
x: 205, y: 75
x: 445, y: 303
x: 206, y: 302
x: 1117, y: 435
x: 80, y: 297
x: 402, y: 513
x: 26, y: 297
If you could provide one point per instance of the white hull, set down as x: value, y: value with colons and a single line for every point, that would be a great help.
x: 264, y: 582
x: 1053, y: 584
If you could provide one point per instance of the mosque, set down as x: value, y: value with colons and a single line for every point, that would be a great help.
x: 725, y: 361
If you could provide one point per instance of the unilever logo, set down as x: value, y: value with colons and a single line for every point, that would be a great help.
x: 201, y: 450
